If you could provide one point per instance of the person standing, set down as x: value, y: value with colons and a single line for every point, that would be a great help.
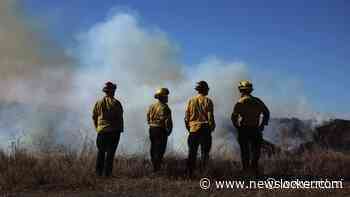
x: 108, y: 120
x: 160, y: 127
x: 200, y: 123
x: 246, y: 118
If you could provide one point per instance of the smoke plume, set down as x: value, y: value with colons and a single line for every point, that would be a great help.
x: 35, y: 76
x: 50, y: 95
x: 141, y: 59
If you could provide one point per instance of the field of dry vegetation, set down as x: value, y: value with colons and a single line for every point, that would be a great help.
x: 67, y: 173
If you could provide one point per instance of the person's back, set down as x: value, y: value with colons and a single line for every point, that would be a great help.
x: 159, y: 115
x: 200, y: 123
x: 108, y: 115
x: 160, y: 127
x: 249, y: 110
x: 199, y: 113
x: 246, y: 118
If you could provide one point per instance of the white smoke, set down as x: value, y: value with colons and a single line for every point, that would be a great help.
x: 35, y: 77
x: 53, y: 99
x: 140, y: 59
x: 33, y: 70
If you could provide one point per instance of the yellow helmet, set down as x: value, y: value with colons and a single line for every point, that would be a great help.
x: 161, y: 92
x: 245, y: 85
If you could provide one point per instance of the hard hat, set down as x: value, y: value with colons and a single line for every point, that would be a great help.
x: 245, y: 85
x: 161, y: 92
x: 109, y: 86
x: 202, y: 85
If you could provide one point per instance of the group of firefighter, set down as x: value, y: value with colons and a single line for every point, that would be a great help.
x: 199, y: 121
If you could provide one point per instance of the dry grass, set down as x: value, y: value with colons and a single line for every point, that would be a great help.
x: 317, y: 163
x: 22, y: 171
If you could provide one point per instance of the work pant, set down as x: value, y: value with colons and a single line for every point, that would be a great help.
x: 159, y: 138
x: 107, y: 144
x: 200, y: 138
x: 250, y: 140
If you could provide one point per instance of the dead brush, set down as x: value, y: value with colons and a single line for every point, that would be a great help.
x: 326, y: 163
x: 134, y: 166
x: 24, y: 170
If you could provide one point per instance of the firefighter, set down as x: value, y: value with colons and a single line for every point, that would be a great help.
x: 108, y: 121
x: 246, y: 117
x: 160, y: 126
x: 200, y: 123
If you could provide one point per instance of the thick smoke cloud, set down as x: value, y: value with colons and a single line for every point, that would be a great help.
x: 28, y: 60
x: 140, y: 59
x: 35, y: 76
x: 49, y: 100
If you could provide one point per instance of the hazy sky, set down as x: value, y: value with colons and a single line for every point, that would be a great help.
x: 305, y: 40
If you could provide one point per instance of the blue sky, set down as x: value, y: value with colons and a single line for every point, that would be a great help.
x: 305, y: 40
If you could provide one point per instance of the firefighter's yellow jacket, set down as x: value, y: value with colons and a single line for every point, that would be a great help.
x: 107, y: 115
x: 199, y: 113
x: 247, y: 112
x: 159, y: 115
